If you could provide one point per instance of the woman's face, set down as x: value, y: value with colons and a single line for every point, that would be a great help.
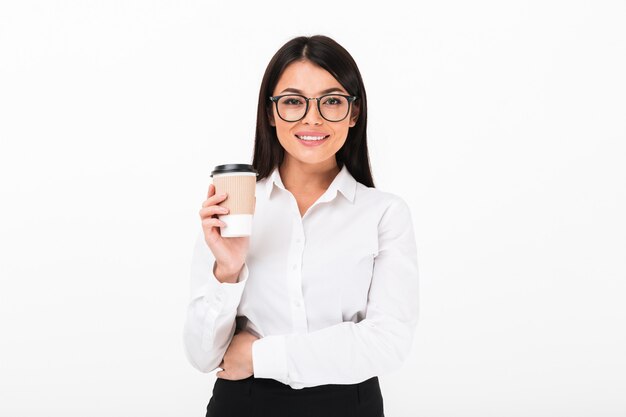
x: 310, y: 80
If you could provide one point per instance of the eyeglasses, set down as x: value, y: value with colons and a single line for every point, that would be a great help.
x: 332, y: 107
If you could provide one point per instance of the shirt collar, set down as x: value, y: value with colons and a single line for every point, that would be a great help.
x: 343, y: 182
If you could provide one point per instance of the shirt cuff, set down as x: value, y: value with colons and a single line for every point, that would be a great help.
x: 269, y: 358
x: 225, y: 295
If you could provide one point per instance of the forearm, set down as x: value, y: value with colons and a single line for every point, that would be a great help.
x: 346, y: 353
x: 206, y: 337
x: 210, y: 322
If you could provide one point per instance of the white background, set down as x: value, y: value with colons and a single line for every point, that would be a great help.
x: 502, y: 124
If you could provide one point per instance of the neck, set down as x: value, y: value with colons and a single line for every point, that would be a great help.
x: 301, y: 178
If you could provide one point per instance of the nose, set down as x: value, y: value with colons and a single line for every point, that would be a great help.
x: 312, y: 115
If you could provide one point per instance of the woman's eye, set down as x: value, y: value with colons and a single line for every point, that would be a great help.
x: 333, y: 101
x: 292, y: 102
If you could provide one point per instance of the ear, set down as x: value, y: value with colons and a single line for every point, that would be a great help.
x: 354, y: 115
x: 270, y: 117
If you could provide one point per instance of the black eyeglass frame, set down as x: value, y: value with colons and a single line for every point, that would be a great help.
x: 350, y: 99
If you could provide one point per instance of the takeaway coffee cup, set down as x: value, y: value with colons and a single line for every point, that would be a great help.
x: 239, y: 182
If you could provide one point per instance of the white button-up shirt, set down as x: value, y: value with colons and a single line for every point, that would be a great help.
x: 333, y: 295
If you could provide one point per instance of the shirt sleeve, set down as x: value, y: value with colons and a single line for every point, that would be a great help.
x: 210, y: 322
x: 349, y: 353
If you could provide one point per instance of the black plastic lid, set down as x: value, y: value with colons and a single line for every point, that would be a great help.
x: 228, y: 168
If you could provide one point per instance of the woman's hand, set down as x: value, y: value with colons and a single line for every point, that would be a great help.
x: 237, y: 362
x: 230, y: 253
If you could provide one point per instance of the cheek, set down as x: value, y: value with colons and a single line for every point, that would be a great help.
x: 284, y: 135
x: 342, y: 132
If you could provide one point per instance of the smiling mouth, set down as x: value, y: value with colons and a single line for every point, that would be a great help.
x: 312, y: 138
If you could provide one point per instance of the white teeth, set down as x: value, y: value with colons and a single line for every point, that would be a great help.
x: 311, y: 137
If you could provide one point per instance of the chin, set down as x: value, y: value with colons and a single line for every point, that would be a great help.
x: 313, y: 160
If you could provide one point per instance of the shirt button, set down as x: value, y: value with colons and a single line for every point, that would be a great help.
x: 298, y: 240
x: 297, y: 303
x: 294, y: 267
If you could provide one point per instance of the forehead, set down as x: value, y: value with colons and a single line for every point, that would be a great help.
x: 308, y: 77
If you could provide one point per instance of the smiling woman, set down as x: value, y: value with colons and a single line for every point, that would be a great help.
x: 304, y: 314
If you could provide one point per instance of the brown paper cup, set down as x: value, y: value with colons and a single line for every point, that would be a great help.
x: 239, y: 182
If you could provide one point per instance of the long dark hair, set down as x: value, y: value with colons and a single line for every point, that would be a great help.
x: 328, y: 54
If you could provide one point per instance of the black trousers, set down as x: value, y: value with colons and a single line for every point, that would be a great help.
x: 261, y: 397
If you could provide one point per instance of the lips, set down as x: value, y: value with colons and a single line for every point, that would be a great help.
x: 311, y: 135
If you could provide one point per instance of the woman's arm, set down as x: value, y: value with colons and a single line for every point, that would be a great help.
x: 349, y: 352
x: 210, y: 323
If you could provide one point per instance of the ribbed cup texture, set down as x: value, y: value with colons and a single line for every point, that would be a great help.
x: 240, y: 190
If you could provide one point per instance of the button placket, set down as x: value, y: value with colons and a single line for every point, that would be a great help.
x: 299, y: 320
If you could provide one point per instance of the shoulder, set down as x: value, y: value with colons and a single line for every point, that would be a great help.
x: 387, y: 210
x: 375, y: 197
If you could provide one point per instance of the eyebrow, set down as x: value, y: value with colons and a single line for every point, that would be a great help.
x: 295, y: 90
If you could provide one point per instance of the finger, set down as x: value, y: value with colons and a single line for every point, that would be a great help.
x: 209, y: 222
x: 211, y: 190
x: 214, y: 199
x: 212, y: 210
